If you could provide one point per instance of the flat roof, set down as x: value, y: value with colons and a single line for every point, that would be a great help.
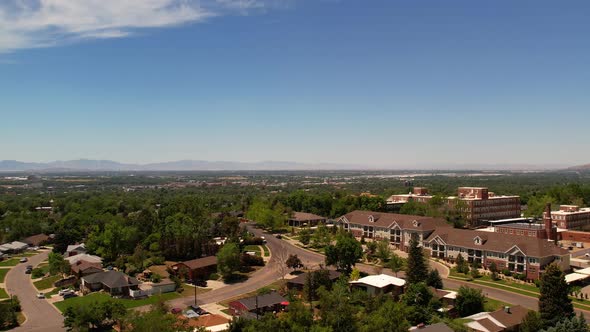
x: 580, y: 211
x: 509, y: 220
x: 522, y: 225
x: 569, y: 278
x: 380, y: 281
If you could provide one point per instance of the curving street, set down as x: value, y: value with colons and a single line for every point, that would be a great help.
x: 41, y: 316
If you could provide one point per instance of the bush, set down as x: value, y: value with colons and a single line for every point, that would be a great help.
x: 251, y: 260
x: 156, y: 278
x: 37, y: 273
x: 157, y: 260
x: 214, y: 276
x: 256, y: 241
x: 506, y: 272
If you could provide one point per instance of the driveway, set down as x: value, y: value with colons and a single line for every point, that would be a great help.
x: 41, y: 316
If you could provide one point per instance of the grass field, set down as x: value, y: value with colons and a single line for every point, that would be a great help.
x: 3, y: 274
x: 253, y: 248
x: 9, y: 262
x: 266, y: 251
x: 46, y: 283
x: 103, y: 297
x: 3, y: 294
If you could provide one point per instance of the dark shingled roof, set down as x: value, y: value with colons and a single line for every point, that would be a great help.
x: 304, y: 216
x: 266, y: 300
x: 513, y: 318
x: 497, y: 242
x: 386, y: 220
x: 201, y: 262
x: 112, y: 279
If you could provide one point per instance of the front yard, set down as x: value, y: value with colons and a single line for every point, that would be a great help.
x: 46, y: 283
x: 103, y: 297
x: 3, y: 273
x: 9, y: 262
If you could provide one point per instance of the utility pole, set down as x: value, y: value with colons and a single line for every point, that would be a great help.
x: 195, y: 286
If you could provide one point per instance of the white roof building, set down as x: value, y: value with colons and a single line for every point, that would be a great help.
x: 76, y: 247
x: 380, y: 281
x: 83, y: 257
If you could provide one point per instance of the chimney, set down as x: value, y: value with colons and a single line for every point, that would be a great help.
x: 507, y: 309
x: 548, y: 223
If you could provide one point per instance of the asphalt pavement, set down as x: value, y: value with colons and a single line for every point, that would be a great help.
x: 41, y: 316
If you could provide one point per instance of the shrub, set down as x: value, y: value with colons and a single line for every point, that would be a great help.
x: 214, y: 276
x: 251, y: 260
x: 37, y: 273
x: 256, y: 241
x: 156, y: 278
x: 506, y: 272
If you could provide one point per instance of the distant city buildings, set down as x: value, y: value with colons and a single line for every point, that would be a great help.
x: 479, y: 204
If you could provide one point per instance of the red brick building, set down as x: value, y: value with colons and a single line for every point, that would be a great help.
x: 477, y: 203
x: 571, y: 217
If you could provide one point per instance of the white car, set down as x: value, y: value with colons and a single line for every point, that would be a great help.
x: 40, y: 296
x: 64, y: 292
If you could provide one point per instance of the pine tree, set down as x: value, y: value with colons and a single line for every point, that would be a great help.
x: 554, y: 303
x: 434, y: 279
x: 417, y: 267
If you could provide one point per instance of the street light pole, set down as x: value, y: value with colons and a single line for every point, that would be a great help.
x: 195, y: 295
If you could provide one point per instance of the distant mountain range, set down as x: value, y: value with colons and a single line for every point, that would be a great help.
x: 585, y: 167
x: 81, y: 165
x: 181, y: 165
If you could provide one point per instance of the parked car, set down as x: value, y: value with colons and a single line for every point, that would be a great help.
x: 176, y: 310
x: 198, y: 310
x: 28, y: 271
x: 278, y: 236
x: 65, y: 291
x: 68, y: 295
x: 40, y: 295
x: 30, y: 267
x: 23, y: 260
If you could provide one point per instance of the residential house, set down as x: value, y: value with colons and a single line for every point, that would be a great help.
x: 37, y: 240
x: 83, y: 268
x: 380, y: 284
x: 200, y: 268
x: 298, y: 219
x: 506, y: 319
x: 248, y: 307
x: 13, y: 247
x: 398, y: 229
x: 75, y: 249
x: 211, y: 322
x: 438, y: 327
x: 112, y: 282
x: 298, y: 282
x: 519, y: 254
x: 83, y: 257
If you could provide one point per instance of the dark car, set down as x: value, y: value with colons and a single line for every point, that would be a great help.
x: 200, y: 311
x: 200, y: 283
x: 278, y: 236
x: 28, y: 271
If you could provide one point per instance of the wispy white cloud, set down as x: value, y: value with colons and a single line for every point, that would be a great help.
x: 42, y: 23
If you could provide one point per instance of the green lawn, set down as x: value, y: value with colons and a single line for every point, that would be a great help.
x: 3, y: 274
x: 103, y: 297
x: 3, y: 294
x: 46, y: 283
x: 9, y: 262
x: 30, y: 253
x: 266, y: 251
x: 53, y: 292
x: 253, y: 248
x: 493, y: 305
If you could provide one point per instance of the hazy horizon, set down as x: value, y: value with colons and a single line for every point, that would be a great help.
x: 390, y: 83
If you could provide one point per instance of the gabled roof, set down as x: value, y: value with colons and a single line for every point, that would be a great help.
x: 200, y: 262
x: 84, y: 266
x: 380, y: 281
x: 497, y: 242
x: 512, y: 318
x: 386, y: 220
x: 302, y: 278
x: 304, y: 216
x: 15, y: 245
x: 76, y: 247
x: 36, y: 240
x: 265, y: 300
x: 83, y: 257
x: 111, y: 279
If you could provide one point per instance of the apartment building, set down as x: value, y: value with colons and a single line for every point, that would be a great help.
x: 478, y: 204
x: 397, y: 228
x: 519, y: 254
x: 571, y: 217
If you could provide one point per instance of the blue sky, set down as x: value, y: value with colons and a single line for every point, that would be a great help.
x: 380, y: 82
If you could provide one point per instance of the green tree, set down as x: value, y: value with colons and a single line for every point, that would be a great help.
x: 355, y: 274
x: 94, y: 316
x: 462, y: 265
x: 390, y: 316
x: 345, y: 253
x: 293, y: 262
x: 383, y: 252
x: 434, y: 279
x: 304, y: 236
x: 157, y: 319
x: 494, y: 271
x: 531, y: 322
x: 228, y: 260
x: 336, y: 311
x: 469, y: 301
x: 554, y: 303
x: 417, y: 269
x: 57, y: 264
x: 396, y: 263
x: 571, y: 324
x: 321, y: 237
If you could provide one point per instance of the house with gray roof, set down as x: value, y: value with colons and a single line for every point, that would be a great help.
x: 112, y: 282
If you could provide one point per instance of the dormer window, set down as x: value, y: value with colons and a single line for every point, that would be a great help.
x: 371, y: 219
x: 478, y: 241
x: 415, y: 223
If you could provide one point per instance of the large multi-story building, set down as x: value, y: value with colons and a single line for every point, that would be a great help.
x: 477, y: 203
x: 522, y: 254
x: 397, y: 228
x: 571, y: 217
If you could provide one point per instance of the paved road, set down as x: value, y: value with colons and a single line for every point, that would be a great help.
x: 41, y: 316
